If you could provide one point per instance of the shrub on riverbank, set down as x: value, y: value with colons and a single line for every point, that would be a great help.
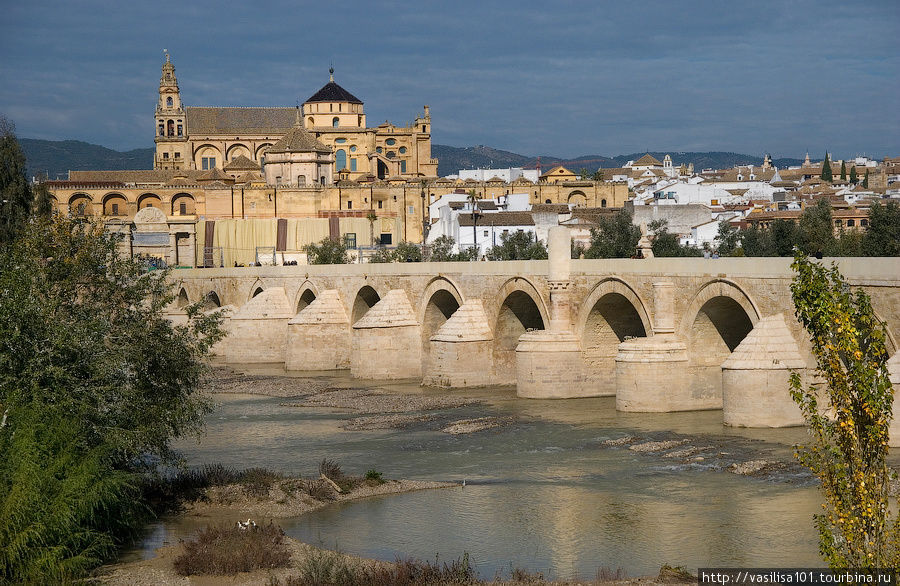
x: 94, y: 383
x: 232, y: 549
x: 327, y: 568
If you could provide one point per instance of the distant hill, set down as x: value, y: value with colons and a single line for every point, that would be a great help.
x: 58, y: 157
x: 452, y: 159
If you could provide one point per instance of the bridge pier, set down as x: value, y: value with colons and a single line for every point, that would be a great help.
x: 461, y: 350
x: 259, y: 328
x: 652, y: 373
x: 318, y: 338
x: 755, y: 378
x: 386, y: 343
x: 226, y: 311
x: 549, y: 364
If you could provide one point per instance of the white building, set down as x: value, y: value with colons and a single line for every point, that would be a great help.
x: 487, y: 230
x: 507, y: 175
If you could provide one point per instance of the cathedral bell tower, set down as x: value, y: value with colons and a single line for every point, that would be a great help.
x: 171, y: 127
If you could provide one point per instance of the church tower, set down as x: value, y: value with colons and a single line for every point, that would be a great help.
x: 171, y: 129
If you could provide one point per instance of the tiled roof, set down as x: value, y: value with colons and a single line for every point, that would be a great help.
x: 648, y: 159
x: 212, y: 121
x: 159, y: 176
x: 558, y: 208
x: 332, y: 92
x: 241, y: 163
x: 499, y: 219
x: 214, y: 174
x: 298, y: 140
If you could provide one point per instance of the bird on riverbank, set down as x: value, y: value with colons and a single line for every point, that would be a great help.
x: 244, y: 525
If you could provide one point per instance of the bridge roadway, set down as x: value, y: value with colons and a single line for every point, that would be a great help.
x: 391, y: 320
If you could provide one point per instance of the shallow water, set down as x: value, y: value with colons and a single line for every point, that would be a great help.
x: 544, y: 493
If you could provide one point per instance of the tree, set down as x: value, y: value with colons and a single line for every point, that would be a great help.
x: 826, y: 169
x: 614, y: 237
x: 785, y: 235
x: 598, y: 175
x: 329, y: 251
x: 94, y: 383
x: 756, y: 241
x: 850, y: 431
x: 666, y: 244
x: 727, y: 238
x: 15, y: 196
x: 865, y: 182
x: 882, y: 238
x: 371, y: 216
x: 854, y: 179
x: 442, y: 249
x: 519, y: 245
x: 407, y: 252
x: 843, y: 171
x: 817, y: 229
x: 43, y: 201
x: 584, y: 174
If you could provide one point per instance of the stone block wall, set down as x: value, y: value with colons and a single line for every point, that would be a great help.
x: 386, y: 353
x: 317, y: 347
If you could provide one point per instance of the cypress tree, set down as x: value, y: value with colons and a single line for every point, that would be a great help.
x: 826, y: 169
x: 854, y: 179
x: 15, y: 195
x: 843, y: 171
x: 866, y: 180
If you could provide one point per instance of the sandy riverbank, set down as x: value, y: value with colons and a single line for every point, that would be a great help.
x: 232, y: 503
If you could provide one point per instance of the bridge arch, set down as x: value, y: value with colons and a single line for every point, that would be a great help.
x: 718, y: 318
x: 611, y: 313
x: 366, y: 298
x: 182, y: 300
x: 306, y: 294
x: 211, y: 300
x: 255, y: 289
x: 520, y: 308
x: 439, y: 301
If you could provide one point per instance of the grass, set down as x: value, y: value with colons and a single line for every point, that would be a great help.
x: 169, y: 492
x: 229, y: 550
x: 329, y: 568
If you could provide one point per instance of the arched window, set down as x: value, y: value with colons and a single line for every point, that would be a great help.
x: 602, y: 203
x: 169, y: 101
x: 170, y: 128
x: 301, y: 180
x: 340, y: 159
x: 162, y: 129
x: 335, y: 121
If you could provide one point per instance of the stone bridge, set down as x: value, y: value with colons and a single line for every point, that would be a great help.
x: 659, y: 334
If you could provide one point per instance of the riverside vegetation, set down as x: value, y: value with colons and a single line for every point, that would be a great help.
x: 849, y: 431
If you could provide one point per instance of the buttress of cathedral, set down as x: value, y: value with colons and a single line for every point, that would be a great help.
x: 236, y: 140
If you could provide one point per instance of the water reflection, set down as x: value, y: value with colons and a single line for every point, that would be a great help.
x: 544, y: 494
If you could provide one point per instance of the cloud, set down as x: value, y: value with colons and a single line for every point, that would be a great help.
x: 567, y: 79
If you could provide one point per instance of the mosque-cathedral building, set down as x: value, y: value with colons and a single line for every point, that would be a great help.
x: 229, y: 181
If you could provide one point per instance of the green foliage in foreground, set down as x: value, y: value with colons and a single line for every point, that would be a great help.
x: 849, y: 444
x: 94, y: 382
x: 518, y: 245
x: 329, y: 251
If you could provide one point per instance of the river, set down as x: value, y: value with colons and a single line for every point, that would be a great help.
x: 547, y: 492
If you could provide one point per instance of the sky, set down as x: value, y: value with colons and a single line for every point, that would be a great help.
x: 563, y: 78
